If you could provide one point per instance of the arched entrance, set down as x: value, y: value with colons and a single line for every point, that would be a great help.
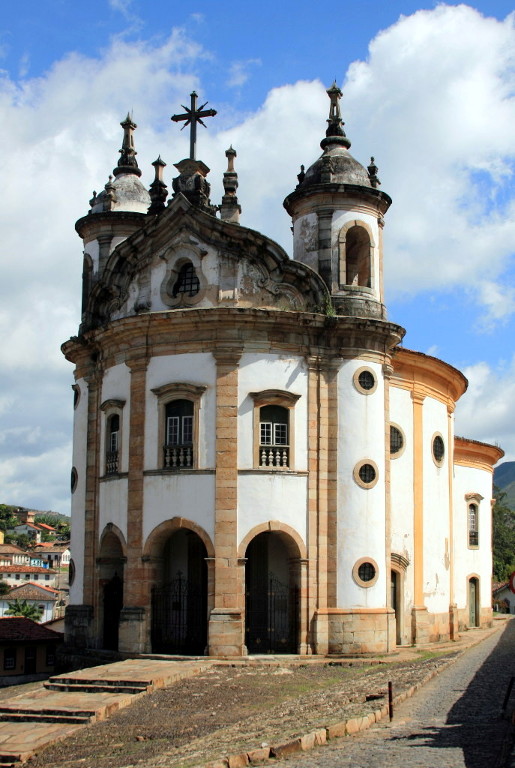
x: 111, y: 565
x: 271, y: 595
x: 473, y: 602
x: 395, y: 585
x: 179, y: 601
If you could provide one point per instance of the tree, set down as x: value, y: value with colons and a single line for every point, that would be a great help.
x: 503, y: 539
x: 7, y: 517
x: 22, y: 608
x: 4, y: 588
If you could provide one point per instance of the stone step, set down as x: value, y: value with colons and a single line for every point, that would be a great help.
x: 99, y: 686
x: 43, y: 717
x: 53, y: 715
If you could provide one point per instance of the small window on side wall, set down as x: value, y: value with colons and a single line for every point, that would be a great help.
x: 473, y: 525
x: 113, y: 431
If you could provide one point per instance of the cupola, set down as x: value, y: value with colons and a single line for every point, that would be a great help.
x: 337, y: 212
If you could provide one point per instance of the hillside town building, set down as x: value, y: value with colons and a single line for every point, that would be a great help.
x: 259, y: 466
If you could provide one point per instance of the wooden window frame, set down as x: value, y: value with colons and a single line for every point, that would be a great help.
x: 283, y: 399
x: 112, y: 408
x: 166, y: 394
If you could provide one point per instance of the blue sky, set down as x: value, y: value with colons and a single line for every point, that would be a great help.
x: 428, y: 90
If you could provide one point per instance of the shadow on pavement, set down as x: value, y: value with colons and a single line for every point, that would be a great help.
x: 475, y: 724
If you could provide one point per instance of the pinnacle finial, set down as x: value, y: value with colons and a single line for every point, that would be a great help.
x: 335, y: 133
x: 372, y: 173
x: 127, y: 162
x: 230, y: 209
x: 158, y: 190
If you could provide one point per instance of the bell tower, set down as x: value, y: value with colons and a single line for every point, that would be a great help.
x: 337, y: 212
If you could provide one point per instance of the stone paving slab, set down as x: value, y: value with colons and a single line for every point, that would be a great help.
x: 20, y: 742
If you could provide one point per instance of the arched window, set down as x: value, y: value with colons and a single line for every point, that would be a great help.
x: 113, y: 431
x: 357, y: 257
x: 178, y: 448
x: 187, y: 281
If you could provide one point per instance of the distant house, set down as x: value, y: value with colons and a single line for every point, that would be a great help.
x: 10, y: 554
x: 30, y: 530
x: 15, y: 574
x: 55, y: 555
x: 44, y: 598
x: 503, y: 598
x: 27, y: 650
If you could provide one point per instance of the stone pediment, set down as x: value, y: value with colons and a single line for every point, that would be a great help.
x: 186, y: 258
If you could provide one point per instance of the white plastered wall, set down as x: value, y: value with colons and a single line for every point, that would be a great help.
x: 276, y: 495
x: 80, y: 426
x: 189, y: 495
x: 361, y: 511
x: 469, y: 561
x: 436, y: 534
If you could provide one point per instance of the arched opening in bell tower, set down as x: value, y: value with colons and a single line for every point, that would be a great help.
x: 357, y: 257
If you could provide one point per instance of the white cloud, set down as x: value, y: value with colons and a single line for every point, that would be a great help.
x: 486, y: 410
x: 239, y: 72
x: 435, y: 104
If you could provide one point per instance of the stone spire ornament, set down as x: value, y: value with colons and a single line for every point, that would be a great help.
x: 158, y: 189
x: 127, y: 162
x: 191, y: 117
x: 192, y: 182
x: 372, y: 173
x: 230, y: 209
x: 335, y: 133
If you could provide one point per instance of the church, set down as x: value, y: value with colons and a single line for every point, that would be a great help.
x: 259, y: 465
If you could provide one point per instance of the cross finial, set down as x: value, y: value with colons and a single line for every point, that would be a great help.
x: 191, y: 117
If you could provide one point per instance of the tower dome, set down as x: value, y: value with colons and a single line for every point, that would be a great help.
x: 126, y: 192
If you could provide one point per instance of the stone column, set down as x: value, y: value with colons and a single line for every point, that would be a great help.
x: 134, y: 634
x: 419, y: 619
x: 226, y: 630
x: 325, y: 218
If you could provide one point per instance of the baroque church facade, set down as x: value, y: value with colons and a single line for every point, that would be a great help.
x: 259, y: 466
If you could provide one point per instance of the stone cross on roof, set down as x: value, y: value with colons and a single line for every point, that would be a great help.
x: 192, y: 116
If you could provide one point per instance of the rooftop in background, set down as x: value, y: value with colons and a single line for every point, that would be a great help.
x: 17, y: 629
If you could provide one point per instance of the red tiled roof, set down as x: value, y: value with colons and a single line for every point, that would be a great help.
x: 31, y: 591
x: 24, y: 569
x: 44, y: 525
x: 18, y: 629
x: 11, y: 549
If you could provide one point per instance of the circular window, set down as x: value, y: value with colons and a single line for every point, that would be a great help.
x: 73, y: 479
x: 396, y: 441
x: 365, y: 473
x: 438, y: 450
x: 71, y: 572
x: 365, y: 572
x: 365, y: 381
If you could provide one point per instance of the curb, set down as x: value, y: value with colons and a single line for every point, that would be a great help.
x: 321, y: 736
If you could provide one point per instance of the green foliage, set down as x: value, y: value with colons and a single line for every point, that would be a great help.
x: 503, y: 539
x: 7, y: 517
x: 4, y: 588
x: 22, y: 608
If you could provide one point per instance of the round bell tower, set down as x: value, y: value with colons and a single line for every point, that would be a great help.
x: 337, y: 211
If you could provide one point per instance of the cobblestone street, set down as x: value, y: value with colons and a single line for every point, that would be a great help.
x: 455, y: 721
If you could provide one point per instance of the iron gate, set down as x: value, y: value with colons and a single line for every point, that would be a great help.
x: 272, y: 617
x: 179, y: 620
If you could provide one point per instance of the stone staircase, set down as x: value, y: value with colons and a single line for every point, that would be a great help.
x: 70, y: 701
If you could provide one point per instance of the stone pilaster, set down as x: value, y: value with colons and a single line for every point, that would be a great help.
x: 91, y: 533
x: 387, y: 372
x: 135, y: 619
x: 325, y: 218
x: 419, y: 620
x: 226, y: 630
x: 453, y: 619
